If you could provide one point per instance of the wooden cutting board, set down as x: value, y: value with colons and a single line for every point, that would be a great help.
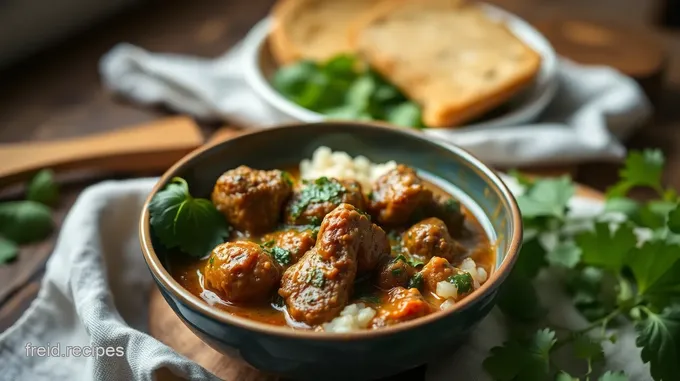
x: 165, y: 326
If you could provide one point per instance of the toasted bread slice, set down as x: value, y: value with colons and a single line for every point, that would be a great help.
x: 313, y: 29
x: 446, y: 55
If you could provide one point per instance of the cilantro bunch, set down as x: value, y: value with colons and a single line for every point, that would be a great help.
x: 29, y: 220
x: 344, y: 88
x: 622, y: 266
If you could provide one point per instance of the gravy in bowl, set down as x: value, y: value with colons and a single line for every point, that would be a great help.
x: 337, y: 245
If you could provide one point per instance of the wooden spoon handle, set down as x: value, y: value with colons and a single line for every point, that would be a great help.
x: 146, y: 147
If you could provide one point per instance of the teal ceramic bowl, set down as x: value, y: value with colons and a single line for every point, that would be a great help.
x: 358, y: 355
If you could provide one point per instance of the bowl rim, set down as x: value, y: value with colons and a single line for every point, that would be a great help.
x: 538, y: 99
x: 195, y: 303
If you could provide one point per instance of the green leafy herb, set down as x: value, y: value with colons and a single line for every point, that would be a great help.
x: 8, y: 250
x: 193, y: 225
x: 407, y: 114
x: 526, y: 360
x: 287, y: 177
x: 566, y: 254
x: 397, y: 271
x: 411, y: 261
x: 317, y: 191
x: 43, y: 188
x: 316, y: 278
x: 416, y: 281
x: 614, y: 271
x: 603, y: 248
x: 463, y: 282
x: 659, y: 338
x: 641, y: 169
x: 268, y: 244
x: 343, y: 88
x: 282, y: 256
x: 546, y: 198
x: 211, y: 261
x: 25, y: 221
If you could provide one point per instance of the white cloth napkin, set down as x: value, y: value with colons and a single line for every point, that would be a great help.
x: 95, y: 292
x: 594, y: 106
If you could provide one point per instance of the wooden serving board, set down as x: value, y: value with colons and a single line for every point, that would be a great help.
x: 165, y: 326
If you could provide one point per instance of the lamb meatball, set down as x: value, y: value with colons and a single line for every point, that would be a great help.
x: 430, y: 238
x: 397, y: 195
x: 394, y: 272
x: 241, y: 272
x: 402, y: 305
x: 295, y: 242
x: 449, y: 211
x: 251, y: 199
x: 315, y: 199
x: 318, y: 287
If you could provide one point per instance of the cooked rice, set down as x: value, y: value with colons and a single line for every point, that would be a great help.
x: 352, y: 317
x: 341, y: 166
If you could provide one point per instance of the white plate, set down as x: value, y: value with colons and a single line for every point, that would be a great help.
x: 259, y: 65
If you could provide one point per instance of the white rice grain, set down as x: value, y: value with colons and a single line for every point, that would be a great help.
x: 341, y: 166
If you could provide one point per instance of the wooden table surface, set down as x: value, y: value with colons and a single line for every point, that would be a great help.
x: 57, y: 93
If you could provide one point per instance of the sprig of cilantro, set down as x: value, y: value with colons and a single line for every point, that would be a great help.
x: 192, y: 225
x: 613, y: 271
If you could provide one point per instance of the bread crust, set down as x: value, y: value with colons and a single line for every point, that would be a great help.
x: 286, y: 14
x: 435, y: 113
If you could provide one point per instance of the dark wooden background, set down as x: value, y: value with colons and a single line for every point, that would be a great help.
x: 57, y: 93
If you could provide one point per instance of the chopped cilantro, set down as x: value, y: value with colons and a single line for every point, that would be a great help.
x: 268, y: 244
x: 416, y: 281
x: 282, y: 256
x: 316, y: 278
x: 287, y: 177
x: 211, y: 261
x: 398, y: 271
x: 320, y: 190
x: 411, y: 261
x: 463, y: 282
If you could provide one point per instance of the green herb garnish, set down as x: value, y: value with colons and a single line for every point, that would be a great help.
x: 343, y: 88
x: 287, y: 177
x: 268, y: 244
x: 8, y: 250
x: 397, y: 272
x: 411, y: 261
x: 211, y: 261
x: 416, y: 281
x: 282, y: 256
x: 193, y: 225
x: 463, y: 282
x: 25, y: 221
x: 29, y: 220
x: 316, y: 278
x: 610, y: 274
x: 320, y: 190
x: 43, y: 188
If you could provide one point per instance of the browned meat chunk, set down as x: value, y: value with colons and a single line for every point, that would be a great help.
x: 397, y: 195
x: 288, y: 246
x: 314, y: 199
x: 430, y: 238
x: 241, y: 272
x: 402, y: 305
x: 318, y: 287
x: 395, y: 272
x: 448, y: 210
x: 435, y: 271
x: 252, y: 199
